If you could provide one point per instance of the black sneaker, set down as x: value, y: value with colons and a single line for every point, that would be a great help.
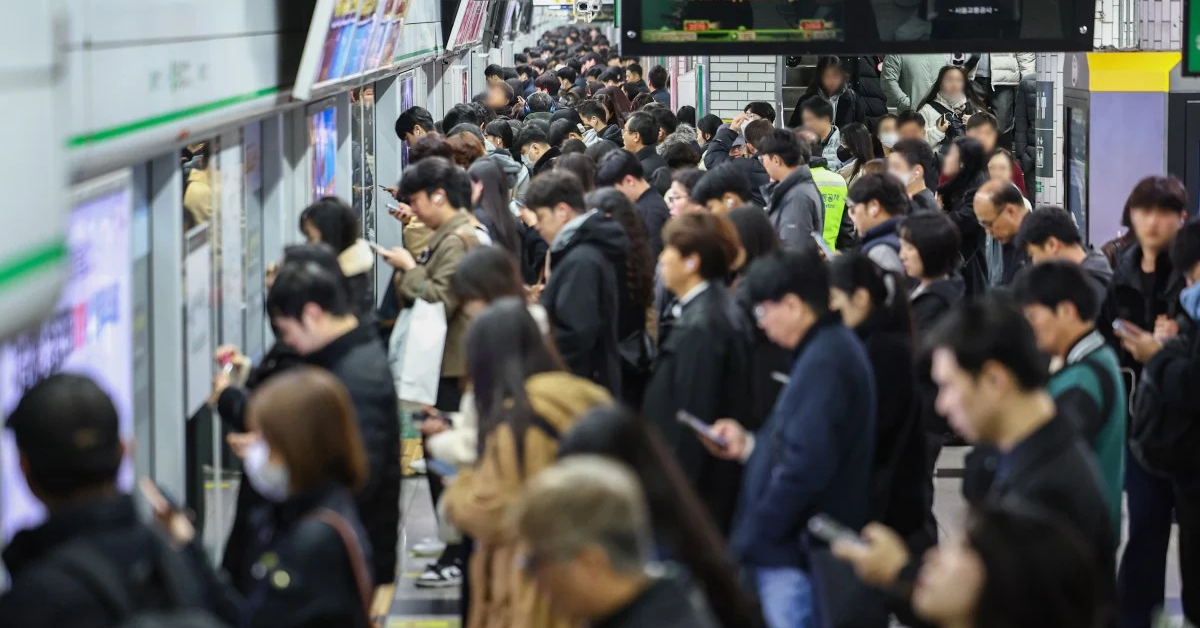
x: 440, y: 576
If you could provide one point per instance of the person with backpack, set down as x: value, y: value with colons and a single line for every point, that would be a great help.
x: 1061, y: 307
x: 1164, y: 431
x: 93, y: 563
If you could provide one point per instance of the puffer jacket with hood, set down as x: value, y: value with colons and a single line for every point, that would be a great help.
x: 357, y: 264
x: 866, y: 81
x: 515, y: 171
x: 1025, y: 123
x: 502, y: 595
x: 583, y: 295
x: 795, y: 207
x: 1011, y: 68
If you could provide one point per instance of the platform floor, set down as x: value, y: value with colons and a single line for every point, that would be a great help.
x: 438, y: 608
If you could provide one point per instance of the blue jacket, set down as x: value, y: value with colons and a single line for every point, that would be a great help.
x: 814, y: 454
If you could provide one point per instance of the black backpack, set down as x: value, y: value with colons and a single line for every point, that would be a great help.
x: 166, y: 595
x: 1163, y: 439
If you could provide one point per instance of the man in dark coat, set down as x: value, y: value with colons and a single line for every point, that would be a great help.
x: 582, y: 298
x: 67, y: 433
x: 641, y: 139
x: 309, y: 306
x: 622, y: 171
x: 1025, y: 123
x: 721, y: 146
x: 794, y: 202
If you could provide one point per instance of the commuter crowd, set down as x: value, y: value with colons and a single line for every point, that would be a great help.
x: 683, y: 373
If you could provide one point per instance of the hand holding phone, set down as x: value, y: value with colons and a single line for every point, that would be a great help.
x: 831, y: 530
x: 168, y: 512
x: 704, y: 430
x: 823, y: 245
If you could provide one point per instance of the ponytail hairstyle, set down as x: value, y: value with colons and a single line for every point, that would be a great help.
x: 887, y: 290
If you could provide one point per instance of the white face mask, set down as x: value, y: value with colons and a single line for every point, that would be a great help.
x: 528, y: 161
x: 888, y: 139
x: 271, y: 481
x: 905, y: 177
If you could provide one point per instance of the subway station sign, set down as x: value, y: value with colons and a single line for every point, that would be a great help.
x: 1191, y: 37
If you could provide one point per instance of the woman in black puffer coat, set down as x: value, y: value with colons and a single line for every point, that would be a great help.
x: 1025, y: 132
x: 865, y: 80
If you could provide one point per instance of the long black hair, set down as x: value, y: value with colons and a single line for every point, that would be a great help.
x: 505, y: 348
x: 1039, y: 572
x: 639, y: 267
x: 487, y: 273
x: 680, y: 520
x: 492, y: 209
x: 889, y: 298
x: 858, y: 139
x: 972, y: 172
x: 824, y: 63
x: 335, y: 220
x: 972, y: 97
x: 755, y: 232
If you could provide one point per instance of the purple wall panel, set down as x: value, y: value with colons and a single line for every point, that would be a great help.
x: 1128, y: 142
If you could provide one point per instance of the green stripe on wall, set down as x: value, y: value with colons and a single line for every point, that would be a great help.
x: 32, y: 261
x: 166, y: 118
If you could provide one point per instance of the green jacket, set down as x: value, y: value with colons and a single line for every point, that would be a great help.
x: 1089, y: 389
x: 833, y: 191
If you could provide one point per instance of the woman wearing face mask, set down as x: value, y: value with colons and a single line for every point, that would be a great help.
x: 524, y: 401
x: 964, y: 171
x: 703, y: 366
x: 874, y: 304
x: 306, y: 457
x: 1014, y: 567
x: 856, y: 150
x: 831, y: 83
x: 886, y: 135
x: 948, y: 106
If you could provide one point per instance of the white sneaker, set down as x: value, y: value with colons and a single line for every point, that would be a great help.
x: 417, y: 466
x: 428, y: 548
x: 440, y: 577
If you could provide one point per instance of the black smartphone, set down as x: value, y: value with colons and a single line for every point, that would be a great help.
x: 419, y: 416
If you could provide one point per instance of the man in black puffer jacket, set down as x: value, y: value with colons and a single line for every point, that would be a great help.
x: 1025, y: 132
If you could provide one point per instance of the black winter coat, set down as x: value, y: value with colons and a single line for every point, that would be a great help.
x: 46, y: 594
x: 360, y: 363
x: 669, y: 602
x: 653, y: 165
x: 848, y: 108
x: 309, y: 556
x: 1129, y: 299
x: 958, y: 200
x: 1025, y: 121
x: 898, y: 477
x: 583, y: 296
x: 718, y: 153
x: 533, y: 254
x: 769, y: 364
x: 703, y: 368
x: 866, y: 81
x: 614, y: 134
x: 928, y: 307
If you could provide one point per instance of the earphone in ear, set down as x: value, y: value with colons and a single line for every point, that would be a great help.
x: 729, y: 201
x: 691, y: 264
x: 437, y: 198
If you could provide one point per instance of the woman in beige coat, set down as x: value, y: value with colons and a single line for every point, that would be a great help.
x: 524, y: 401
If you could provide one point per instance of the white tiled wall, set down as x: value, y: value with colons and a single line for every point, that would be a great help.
x: 736, y: 80
x: 1147, y: 25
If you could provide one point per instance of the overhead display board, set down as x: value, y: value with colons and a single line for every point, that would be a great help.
x: 346, y: 39
x: 777, y: 27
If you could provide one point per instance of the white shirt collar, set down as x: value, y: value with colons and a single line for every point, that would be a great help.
x: 691, y: 295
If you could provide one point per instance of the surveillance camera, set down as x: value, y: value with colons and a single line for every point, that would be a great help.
x: 588, y: 6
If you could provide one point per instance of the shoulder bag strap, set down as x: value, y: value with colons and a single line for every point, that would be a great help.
x: 354, y: 553
x: 1107, y: 386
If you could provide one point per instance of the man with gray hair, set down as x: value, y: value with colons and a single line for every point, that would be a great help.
x: 586, y: 540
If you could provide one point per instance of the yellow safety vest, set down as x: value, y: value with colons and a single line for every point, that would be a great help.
x: 833, y: 192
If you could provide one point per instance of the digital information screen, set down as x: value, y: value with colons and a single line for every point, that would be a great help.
x: 322, y: 138
x: 854, y: 26
x: 90, y: 333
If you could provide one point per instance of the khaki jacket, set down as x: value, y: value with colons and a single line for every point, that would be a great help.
x: 477, y: 502
x: 430, y: 280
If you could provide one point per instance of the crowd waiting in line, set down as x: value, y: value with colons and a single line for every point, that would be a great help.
x: 669, y: 345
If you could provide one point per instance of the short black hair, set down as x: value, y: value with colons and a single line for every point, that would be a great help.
x: 316, y: 279
x: 755, y: 131
x: 568, y: 74
x: 709, y: 124
x: 992, y: 329
x: 591, y: 109
x: 524, y: 68
x: 611, y: 75
x: 460, y: 114
x: 559, y: 129
x: 720, y: 181
x: 657, y: 77
x: 336, y: 221
x: 818, y: 107
x: 556, y: 186
x: 687, y: 177
x: 636, y: 68
x: 1185, y: 250
x: 630, y: 58
x: 797, y: 270
x: 1045, y: 223
x: 540, y: 102
x: 68, y: 429
x: 531, y: 134
x: 916, y: 153
x: 983, y: 118
x: 502, y: 130
x: 595, y: 72
x: 645, y: 126
x: 437, y: 173
x: 761, y: 109
x: 879, y: 121
x: 665, y: 118
x: 615, y: 166
x: 1052, y: 282
x: 1158, y: 192
x: 411, y: 119
x: 539, y: 65
x: 549, y: 82
x: 936, y: 239
x: 681, y: 155
x: 686, y: 115
x: 493, y: 70
x: 591, y: 56
x: 465, y: 127
x: 782, y: 144
x: 910, y: 116
x: 883, y: 188
x: 597, y: 151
